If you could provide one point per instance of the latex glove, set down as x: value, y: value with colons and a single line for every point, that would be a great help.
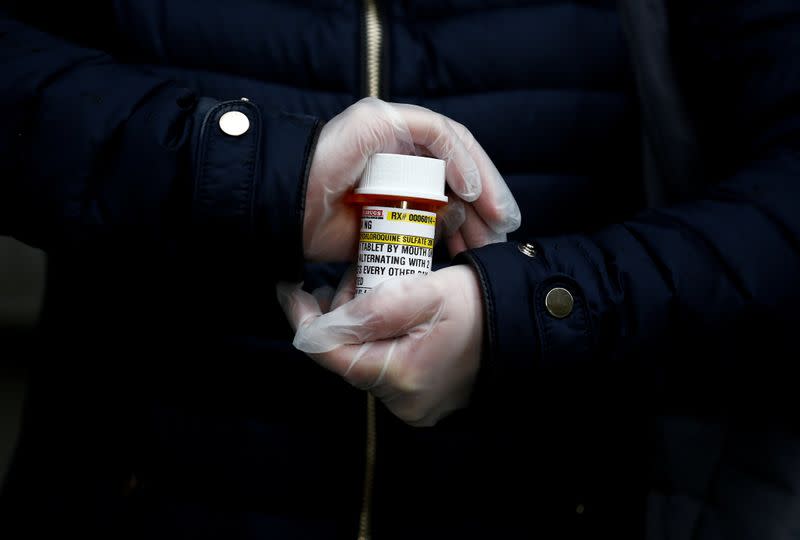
x: 414, y: 342
x: 370, y: 126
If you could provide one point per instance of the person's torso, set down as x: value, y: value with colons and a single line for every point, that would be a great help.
x: 547, y: 90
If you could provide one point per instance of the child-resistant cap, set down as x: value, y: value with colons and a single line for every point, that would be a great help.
x: 403, y: 176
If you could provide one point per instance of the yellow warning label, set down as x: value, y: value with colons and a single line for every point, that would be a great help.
x: 402, y: 239
x: 411, y: 217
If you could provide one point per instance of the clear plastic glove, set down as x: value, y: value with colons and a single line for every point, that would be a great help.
x: 371, y: 126
x: 413, y: 342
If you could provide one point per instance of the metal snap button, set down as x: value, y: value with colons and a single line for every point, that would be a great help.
x: 234, y: 123
x: 527, y: 249
x: 559, y: 302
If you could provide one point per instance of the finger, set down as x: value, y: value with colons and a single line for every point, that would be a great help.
x: 324, y: 297
x: 433, y: 132
x: 299, y: 306
x: 496, y: 205
x: 476, y: 232
x: 346, y: 289
x: 449, y: 219
x: 393, y: 308
x: 366, y: 366
x: 389, y: 129
x: 470, y: 171
x: 364, y: 128
x: 456, y: 244
x: 421, y: 151
x: 452, y: 217
x: 378, y: 367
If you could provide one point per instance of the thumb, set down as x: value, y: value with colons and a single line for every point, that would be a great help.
x: 450, y: 218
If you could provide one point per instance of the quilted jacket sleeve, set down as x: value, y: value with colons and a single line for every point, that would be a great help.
x: 96, y: 153
x: 692, y: 300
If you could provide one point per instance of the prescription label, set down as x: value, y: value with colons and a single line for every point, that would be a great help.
x: 393, y: 242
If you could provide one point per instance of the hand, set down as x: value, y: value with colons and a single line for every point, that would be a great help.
x: 371, y: 126
x: 414, y: 342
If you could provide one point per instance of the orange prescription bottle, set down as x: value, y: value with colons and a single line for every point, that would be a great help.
x: 399, y: 196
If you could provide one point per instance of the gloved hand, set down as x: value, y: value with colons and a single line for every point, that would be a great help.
x: 414, y: 342
x: 371, y: 126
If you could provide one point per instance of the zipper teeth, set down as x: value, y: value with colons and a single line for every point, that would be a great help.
x: 364, y: 524
x: 373, y: 33
x: 374, y: 42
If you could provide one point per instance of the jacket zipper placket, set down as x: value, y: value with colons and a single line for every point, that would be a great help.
x: 373, y: 48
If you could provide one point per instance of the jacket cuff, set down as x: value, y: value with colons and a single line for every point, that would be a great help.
x: 249, y: 188
x: 530, y: 348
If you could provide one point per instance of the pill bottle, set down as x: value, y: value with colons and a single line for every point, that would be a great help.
x: 399, y: 196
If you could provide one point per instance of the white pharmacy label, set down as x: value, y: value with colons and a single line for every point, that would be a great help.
x: 393, y: 242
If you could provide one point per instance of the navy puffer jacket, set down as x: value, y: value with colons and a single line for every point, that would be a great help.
x: 166, y: 400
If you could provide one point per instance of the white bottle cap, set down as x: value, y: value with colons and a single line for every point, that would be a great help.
x: 403, y: 176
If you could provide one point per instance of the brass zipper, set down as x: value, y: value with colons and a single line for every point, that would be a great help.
x: 373, y: 45
x: 364, y: 522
